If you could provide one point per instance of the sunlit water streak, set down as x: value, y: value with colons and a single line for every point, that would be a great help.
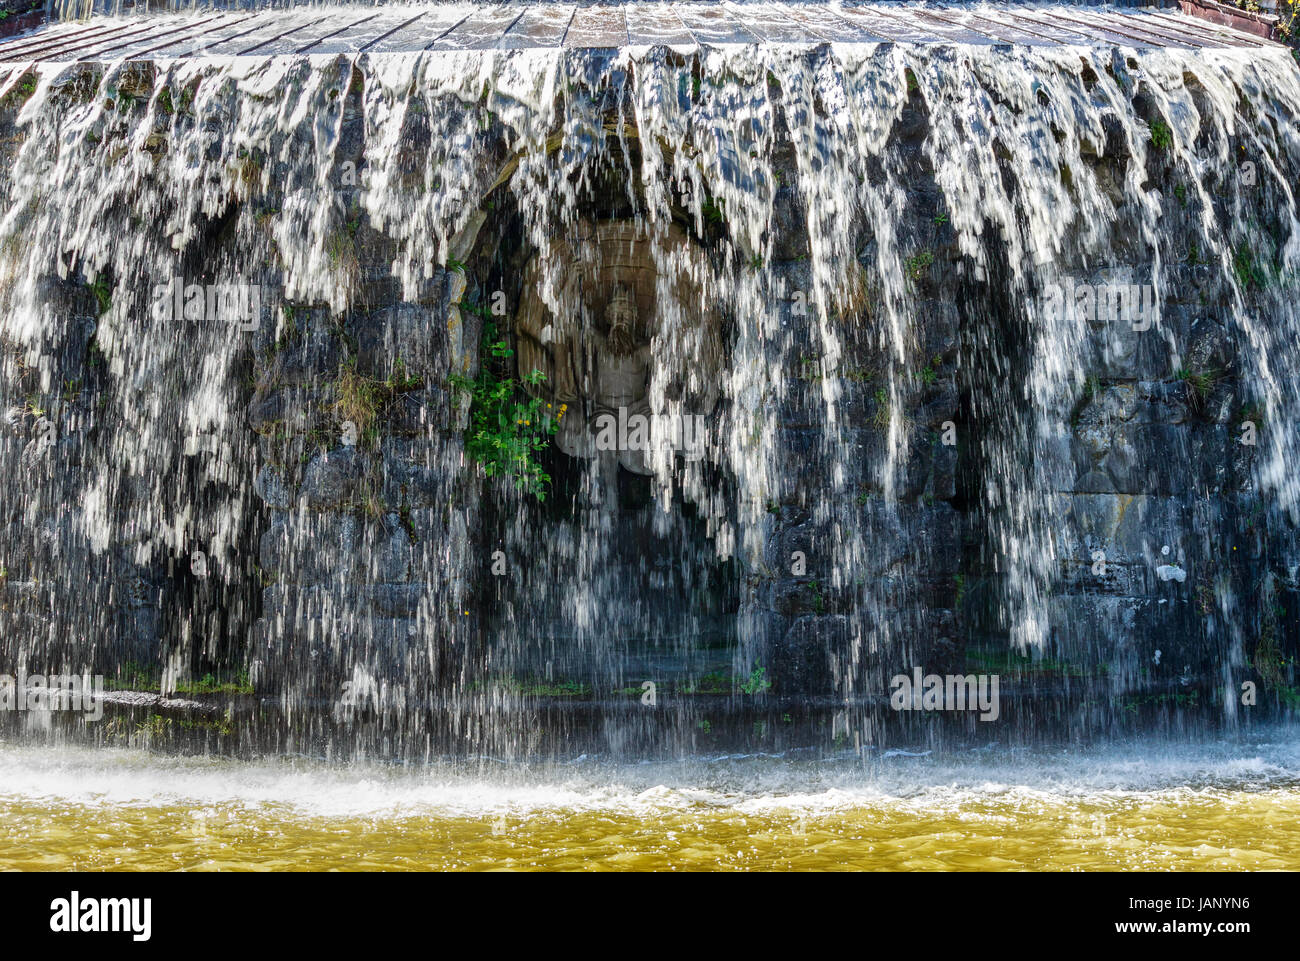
x: 1139, y: 806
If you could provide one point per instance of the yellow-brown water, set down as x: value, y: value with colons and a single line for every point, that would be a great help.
x: 1212, y: 807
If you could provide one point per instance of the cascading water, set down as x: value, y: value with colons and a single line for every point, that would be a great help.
x: 911, y: 460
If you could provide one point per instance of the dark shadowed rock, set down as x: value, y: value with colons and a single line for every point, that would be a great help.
x: 335, y: 479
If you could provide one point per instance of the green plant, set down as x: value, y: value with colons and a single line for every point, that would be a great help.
x: 133, y: 676
x: 1272, y: 666
x: 715, y: 682
x: 222, y: 726
x: 713, y: 211
x: 1134, y: 702
x: 1091, y: 387
x: 103, y: 293
x: 507, y: 427
x: 757, y: 681
x: 1199, y: 384
x: 359, y: 398
x: 155, y: 726
x: 1180, y: 191
x: 810, y: 369
x: 1162, y: 136
x: 362, y: 399
x: 165, y: 101
x: 482, y: 311
x: 209, y: 684
x: 819, y: 603
x: 531, y: 687
x: 880, y: 419
x: 341, y: 245
x: 401, y: 381
x: 1288, y: 13
x: 1249, y: 273
x: 1252, y: 412
x: 918, y: 265
x: 24, y: 89
x: 1012, y: 664
x: 1205, y: 598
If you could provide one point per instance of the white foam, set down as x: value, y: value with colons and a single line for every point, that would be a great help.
x: 1141, y: 770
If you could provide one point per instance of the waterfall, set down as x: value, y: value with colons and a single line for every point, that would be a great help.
x: 236, y: 295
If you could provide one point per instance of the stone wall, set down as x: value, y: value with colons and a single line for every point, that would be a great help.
x: 363, y: 560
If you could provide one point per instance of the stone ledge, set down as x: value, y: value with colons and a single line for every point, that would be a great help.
x: 344, y: 31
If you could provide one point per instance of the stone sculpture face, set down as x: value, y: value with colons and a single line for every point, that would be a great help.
x: 621, y: 366
x: 621, y: 316
x: 619, y: 329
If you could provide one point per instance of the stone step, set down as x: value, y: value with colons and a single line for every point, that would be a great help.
x: 375, y: 30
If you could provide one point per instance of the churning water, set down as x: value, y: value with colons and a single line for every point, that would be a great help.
x: 1144, y: 805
